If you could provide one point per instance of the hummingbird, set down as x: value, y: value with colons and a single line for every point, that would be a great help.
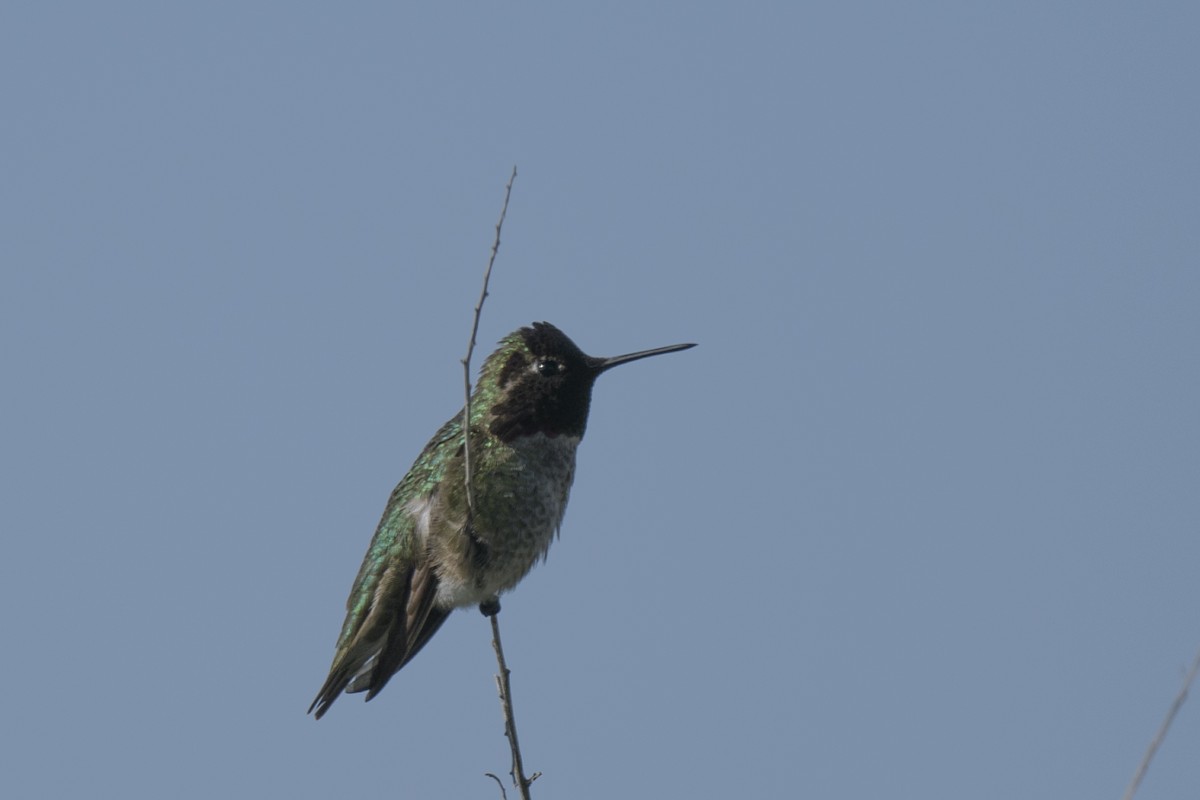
x: 435, y: 549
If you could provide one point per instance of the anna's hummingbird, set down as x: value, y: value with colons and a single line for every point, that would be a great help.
x: 528, y: 413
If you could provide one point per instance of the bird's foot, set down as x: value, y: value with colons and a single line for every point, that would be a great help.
x: 490, y: 607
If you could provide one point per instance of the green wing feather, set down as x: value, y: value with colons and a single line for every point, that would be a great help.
x: 390, y: 613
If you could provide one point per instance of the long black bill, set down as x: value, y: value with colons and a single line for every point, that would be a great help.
x: 602, y: 364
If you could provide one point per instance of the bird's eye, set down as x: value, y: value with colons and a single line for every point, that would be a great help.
x: 548, y: 367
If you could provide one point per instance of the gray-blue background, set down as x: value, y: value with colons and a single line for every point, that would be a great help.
x: 919, y: 517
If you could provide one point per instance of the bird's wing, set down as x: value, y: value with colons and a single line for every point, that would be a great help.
x: 391, y: 611
x: 411, y: 628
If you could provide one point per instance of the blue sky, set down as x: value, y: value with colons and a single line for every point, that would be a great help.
x: 918, y: 517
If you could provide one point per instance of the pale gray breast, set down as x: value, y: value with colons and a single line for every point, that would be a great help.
x: 527, y: 512
x: 518, y: 510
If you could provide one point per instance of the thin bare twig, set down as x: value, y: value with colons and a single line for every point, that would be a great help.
x: 510, y: 724
x: 492, y: 607
x: 500, y: 783
x: 1162, y: 730
x: 466, y: 360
